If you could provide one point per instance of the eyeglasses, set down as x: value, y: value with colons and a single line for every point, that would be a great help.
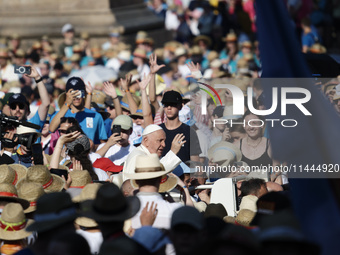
x: 111, y: 107
x: 14, y: 106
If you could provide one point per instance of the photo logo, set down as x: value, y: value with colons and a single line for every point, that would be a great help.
x: 239, y: 103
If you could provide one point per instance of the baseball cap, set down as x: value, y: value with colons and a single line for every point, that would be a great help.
x: 75, y: 83
x: 124, y: 121
x: 107, y: 165
x: 67, y: 27
x: 187, y: 215
x: 172, y: 97
x: 18, y: 98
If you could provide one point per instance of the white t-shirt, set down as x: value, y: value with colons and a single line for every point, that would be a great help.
x: 165, y: 210
x: 117, y: 154
x: 94, y: 239
x: 102, y: 175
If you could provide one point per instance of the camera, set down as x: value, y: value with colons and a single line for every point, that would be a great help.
x: 81, y: 94
x: 22, y: 69
x: 9, y: 123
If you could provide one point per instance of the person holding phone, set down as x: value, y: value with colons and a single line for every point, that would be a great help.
x: 117, y: 148
x: 90, y: 121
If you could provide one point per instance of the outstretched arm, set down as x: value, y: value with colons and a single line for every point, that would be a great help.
x: 125, y: 87
x: 110, y: 90
x: 146, y: 108
x: 45, y: 102
x: 154, y: 68
x: 88, y: 99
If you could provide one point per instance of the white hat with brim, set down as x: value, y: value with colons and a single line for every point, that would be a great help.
x: 148, y: 167
x: 223, y: 151
x: 27, y: 130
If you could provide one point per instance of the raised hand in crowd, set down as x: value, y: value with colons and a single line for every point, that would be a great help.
x: 144, y: 83
x: 154, y: 67
x: 177, y: 143
x: 195, y: 70
x: 59, y: 146
x: 110, y: 90
x: 67, y: 182
x: 146, y: 108
x: 148, y: 215
x: 125, y: 83
x: 89, y: 90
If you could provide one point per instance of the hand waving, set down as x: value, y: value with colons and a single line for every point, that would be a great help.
x: 154, y: 67
x: 109, y: 89
x: 144, y: 83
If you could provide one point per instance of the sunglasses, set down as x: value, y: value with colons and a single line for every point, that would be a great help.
x: 14, y: 106
x: 61, y: 131
x: 111, y: 107
x: 170, y: 104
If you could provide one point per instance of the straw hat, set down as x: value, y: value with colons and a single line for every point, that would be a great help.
x: 244, y: 217
x: 231, y: 37
x: 224, y: 151
x: 12, y: 174
x: 8, y: 193
x: 31, y: 192
x: 99, y: 98
x: 159, y: 84
x: 20, y: 53
x: 249, y: 203
x: 168, y: 183
x: 204, y: 38
x: 4, y: 53
x: 13, y: 223
x: 180, y: 52
x: 246, y: 44
x: 140, y: 53
x: 89, y: 192
x: 125, y: 103
x: 317, y: 48
x: 80, y: 178
x: 229, y: 219
x: 138, y: 113
x: 140, y: 37
x: 212, y: 55
x: 148, y: 167
x: 41, y: 174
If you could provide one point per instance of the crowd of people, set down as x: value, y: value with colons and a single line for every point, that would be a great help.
x: 123, y: 161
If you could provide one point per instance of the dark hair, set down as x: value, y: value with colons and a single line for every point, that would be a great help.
x: 252, y: 186
x: 237, y: 128
x: 72, y: 121
x: 149, y: 182
x: 80, y: 154
x: 218, y: 111
x: 259, y: 116
x: 58, y: 66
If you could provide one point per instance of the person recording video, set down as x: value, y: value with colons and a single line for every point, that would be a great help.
x: 19, y: 108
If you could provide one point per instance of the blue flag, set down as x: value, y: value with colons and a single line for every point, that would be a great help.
x: 315, y: 140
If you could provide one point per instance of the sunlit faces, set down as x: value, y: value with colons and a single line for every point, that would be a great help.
x: 18, y: 110
x: 171, y: 110
x: 237, y: 136
x: 112, y: 112
x: 63, y: 128
x: 253, y: 131
x: 155, y: 142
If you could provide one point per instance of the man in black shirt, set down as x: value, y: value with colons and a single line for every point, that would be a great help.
x: 172, y: 102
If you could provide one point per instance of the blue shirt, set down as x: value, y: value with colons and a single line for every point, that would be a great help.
x: 90, y: 122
